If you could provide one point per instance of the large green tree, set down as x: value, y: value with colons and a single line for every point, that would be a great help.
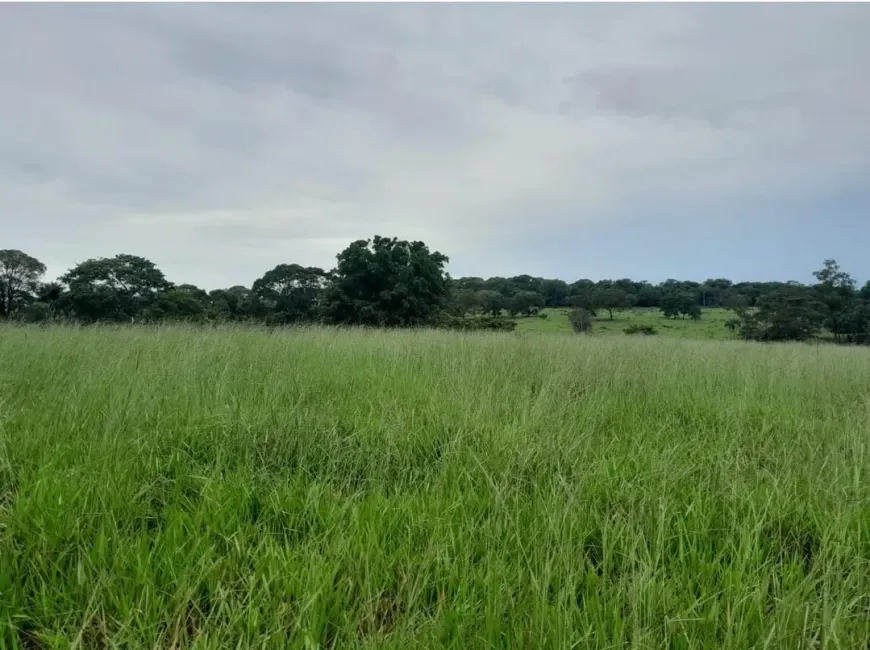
x: 113, y: 288
x: 19, y: 279
x: 290, y: 293
x: 525, y: 302
x: 386, y: 282
x: 233, y: 304
x: 791, y: 313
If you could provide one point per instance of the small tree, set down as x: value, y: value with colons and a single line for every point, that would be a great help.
x: 613, y: 298
x: 581, y: 320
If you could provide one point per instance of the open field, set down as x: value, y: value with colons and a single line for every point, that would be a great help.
x: 188, y: 488
x: 710, y: 327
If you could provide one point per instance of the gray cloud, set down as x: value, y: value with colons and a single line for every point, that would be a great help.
x: 220, y: 140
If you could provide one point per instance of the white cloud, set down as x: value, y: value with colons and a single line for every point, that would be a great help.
x: 219, y: 140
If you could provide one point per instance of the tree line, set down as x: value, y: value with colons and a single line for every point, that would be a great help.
x: 387, y: 282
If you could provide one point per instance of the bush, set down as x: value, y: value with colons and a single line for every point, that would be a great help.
x: 477, y: 324
x: 581, y: 320
x: 646, y: 330
x: 542, y: 315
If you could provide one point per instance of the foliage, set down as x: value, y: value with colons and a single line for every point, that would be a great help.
x: 490, y: 302
x: 19, y: 278
x: 581, y: 320
x: 793, y: 313
x: 391, y: 283
x: 290, y: 293
x: 526, y: 303
x: 680, y: 303
x: 386, y: 283
x: 647, y: 330
x: 115, y: 288
x: 613, y: 298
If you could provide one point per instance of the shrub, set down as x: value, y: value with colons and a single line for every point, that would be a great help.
x: 581, y: 320
x: 542, y: 315
x: 477, y: 324
x: 646, y: 330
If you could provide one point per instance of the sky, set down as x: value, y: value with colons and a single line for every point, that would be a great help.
x: 561, y: 140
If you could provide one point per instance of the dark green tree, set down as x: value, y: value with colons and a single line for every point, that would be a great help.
x: 790, y: 313
x: 113, y: 288
x: 555, y: 293
x: 387, y: 282
x: 525, y: 302
x: 680, y: 302
x: 176, y: 304
x: 290, y: 293
x: 233, y: 304
x: 19, y: 279
x: 490, y: 301
x: 836, y: 290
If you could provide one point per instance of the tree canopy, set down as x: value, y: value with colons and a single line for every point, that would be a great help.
x: 19, y: 280
x: 388, y: 282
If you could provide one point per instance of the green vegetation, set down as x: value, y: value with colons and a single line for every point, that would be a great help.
x: 383, y: 282
x: 711, y: 325
x: 213, y: 488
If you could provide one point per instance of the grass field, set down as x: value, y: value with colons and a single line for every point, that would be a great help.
x: 710, y: 327
x: 240, y: 489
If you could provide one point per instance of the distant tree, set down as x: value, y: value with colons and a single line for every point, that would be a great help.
x: 471, y: 283
x: 290, y: 293
x: 692, y: 310
x: 176, y: 304
x: 714, y: 292
x: 490, y: 302
x: 19, y: 279
x: 113, y: 288
x: 233, y: 304
x: 524, y: 283
x: 555, y: 293
x: 670, y: 304
x: 582, y: 295
x: 387, y: 282
x: 836, y: 290
x: 648, y: 295
x: 613, y: 299
x: 463, y: 301
x: 856, y: 322
x: 525, y: 302
x: 736, y: 302
x: 680, y: 303
x: 790, y: 313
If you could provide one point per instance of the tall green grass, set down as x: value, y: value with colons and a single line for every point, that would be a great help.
x: 183, y: 488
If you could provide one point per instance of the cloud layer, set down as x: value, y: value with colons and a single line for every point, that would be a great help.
x: 220, y: 140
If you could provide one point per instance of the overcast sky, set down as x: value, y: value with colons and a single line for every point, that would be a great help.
x: 648, y: 141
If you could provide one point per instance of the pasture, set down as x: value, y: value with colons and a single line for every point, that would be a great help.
x: 236, y: 488
x: 710, y: 327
